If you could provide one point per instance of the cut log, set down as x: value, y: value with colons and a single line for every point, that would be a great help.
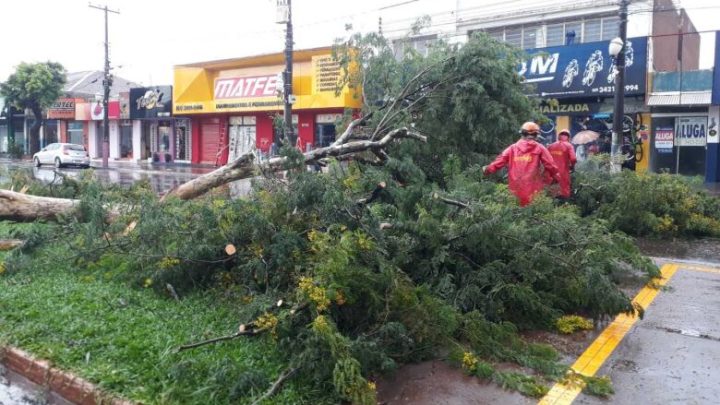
x: 10, y: 244
x: 22, y: 207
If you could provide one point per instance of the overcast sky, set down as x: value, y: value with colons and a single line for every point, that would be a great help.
x: 148, y: 37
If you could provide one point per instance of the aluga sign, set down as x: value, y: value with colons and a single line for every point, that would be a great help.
x: 691, y: 131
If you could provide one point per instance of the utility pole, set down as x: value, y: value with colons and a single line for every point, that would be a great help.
x: 284, y: 16
x: 107, y: 84
x: 619, y: 108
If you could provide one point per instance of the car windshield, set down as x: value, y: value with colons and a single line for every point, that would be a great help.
x: 75, y: 147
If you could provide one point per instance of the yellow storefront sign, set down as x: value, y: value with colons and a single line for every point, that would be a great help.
x: 255, y: 84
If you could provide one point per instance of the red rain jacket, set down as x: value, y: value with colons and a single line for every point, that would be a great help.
x: 563, y: 154
x: 525, y: 177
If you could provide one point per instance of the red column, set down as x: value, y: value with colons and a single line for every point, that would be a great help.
x: 263, y: 131
x: 223, y: 141
x: 195, y: 124
x: 306, y: 129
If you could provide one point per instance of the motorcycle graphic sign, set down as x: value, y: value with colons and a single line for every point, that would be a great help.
x: 583, y: 70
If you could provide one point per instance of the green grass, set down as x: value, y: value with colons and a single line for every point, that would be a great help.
x: 124, y: 339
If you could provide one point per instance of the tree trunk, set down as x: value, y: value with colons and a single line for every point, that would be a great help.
x: 10, y: 244
x: 22, y: 207
x: 35, y: 130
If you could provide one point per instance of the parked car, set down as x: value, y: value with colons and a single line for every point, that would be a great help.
x: 61, y: 154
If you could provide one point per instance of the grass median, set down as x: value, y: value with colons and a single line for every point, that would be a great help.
x: 125, y: 339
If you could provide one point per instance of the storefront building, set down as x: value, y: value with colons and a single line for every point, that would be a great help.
x: 158, y: 136
x: 712, y: 172
x: 232, y: 104
x: 576, y: 88
x: 685, y: 121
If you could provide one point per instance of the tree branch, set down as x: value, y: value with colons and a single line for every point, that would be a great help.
x: 349, y: 130
x: 241, y: 332
x: 289, y: 372
x: 456, y: 203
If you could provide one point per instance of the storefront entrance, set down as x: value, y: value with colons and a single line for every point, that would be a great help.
x: 126, y: 144
x: 679, y: 145
x: 242, y: 133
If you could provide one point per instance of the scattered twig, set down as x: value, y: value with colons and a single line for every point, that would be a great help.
x: 241, y: 332
x: 456, y: 203
x: 289, y: 372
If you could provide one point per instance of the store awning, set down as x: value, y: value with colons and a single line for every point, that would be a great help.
x: 677, y: 98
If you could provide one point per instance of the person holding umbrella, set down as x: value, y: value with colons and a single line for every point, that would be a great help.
x: 563, y: 154
x: 523, y: 159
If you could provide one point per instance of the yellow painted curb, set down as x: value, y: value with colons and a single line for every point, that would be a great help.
x: 595, y: 355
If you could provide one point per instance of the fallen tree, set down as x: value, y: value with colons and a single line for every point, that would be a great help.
x: 16, y: 206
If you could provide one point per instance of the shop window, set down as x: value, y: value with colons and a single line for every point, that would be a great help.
x: 126, y: 146
x: 532, y: 37
x: 555, y: 35
x: 75, y: 133
x: 610, y: 27
x: 573, y: 33
x: 182, y: 140
x: 325, y: 129
x: 164, y: 132
x: 592, y: 30
x: 513, y: 36
x: 496, y: 34
x: 242, y: 136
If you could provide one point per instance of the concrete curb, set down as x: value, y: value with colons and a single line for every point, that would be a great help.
x: 69, y: 386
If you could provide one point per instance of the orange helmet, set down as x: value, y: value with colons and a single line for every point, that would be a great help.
x: 564, y: 132
x: 530, y: 128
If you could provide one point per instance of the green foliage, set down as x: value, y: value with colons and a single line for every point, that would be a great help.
x: 661, y: 205
x: 598, y: 386
x: 469, y: 99
x: 570, y: 323
x: 527, y: 385
x: 34, y: 85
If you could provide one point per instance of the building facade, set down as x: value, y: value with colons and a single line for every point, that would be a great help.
x: 233, y: 106
x: 157, y: 135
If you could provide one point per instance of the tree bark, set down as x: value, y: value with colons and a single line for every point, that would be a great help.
x: 22, y: 207
x: 10, y: 244
x: 35, y: 130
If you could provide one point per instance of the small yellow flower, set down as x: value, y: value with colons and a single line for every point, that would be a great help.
x: 371, y: 386
x: 147, y: 283
x: 469, y: 362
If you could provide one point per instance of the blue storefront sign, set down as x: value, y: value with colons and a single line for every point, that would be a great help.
x: 583, y: 70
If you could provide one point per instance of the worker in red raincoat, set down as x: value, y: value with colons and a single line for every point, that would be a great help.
x: 563, y: 154
x: 523, y: 159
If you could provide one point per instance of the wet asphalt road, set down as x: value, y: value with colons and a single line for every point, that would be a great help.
x: 672, y: 356
x: 161, y: 178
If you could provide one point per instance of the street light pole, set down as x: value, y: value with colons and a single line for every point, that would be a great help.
x: 289, y: 133
x: 107, y: 84
x: 619, y: 107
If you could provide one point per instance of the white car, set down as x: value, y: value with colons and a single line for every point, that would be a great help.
x: 61, y: 154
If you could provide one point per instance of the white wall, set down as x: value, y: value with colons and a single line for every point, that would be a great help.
x: 137, y: 139
x: 92, y: 138
x: 114, y: 139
